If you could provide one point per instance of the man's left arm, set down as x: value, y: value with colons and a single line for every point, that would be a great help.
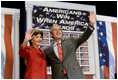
x: 78, y: 41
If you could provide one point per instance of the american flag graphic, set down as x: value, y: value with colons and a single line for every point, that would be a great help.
x: 45, y: 35
x: 6, y: 47
x: 107, y: 39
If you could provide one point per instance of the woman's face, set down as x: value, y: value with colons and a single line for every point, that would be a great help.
x: 36, y: 40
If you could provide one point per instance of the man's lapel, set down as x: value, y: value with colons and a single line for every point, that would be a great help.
x: 63, y: 48
x: 53, y: 53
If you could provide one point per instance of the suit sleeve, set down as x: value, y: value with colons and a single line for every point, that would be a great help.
x: 79, y: 40
x: 23, y: 52
x: 46, y: 52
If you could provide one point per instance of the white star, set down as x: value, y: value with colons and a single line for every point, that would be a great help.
x: 104, y: 60
x: 100, y: 54
x: 97, y: 28
x: 84, y: 13
x: 99, y: 38
x: 35, y: 11
x: 100, y: 23
x: 101, y: 33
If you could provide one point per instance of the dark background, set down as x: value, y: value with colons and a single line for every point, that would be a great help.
x: 107, y: 8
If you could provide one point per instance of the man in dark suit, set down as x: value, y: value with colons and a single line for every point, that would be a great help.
x: 61, y: 54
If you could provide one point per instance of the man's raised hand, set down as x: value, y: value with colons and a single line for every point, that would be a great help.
x: 92, y: 18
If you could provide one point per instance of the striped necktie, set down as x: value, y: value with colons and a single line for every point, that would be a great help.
x: 60, y: 54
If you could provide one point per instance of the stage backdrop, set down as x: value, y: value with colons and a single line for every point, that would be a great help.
x: 107, y: 38
x: 9, y: 43
x: 73, y: 18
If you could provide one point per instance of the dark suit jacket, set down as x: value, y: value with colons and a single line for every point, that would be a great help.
x: 70, y: 62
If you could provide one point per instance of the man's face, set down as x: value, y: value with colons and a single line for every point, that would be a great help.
x: 56, y: 32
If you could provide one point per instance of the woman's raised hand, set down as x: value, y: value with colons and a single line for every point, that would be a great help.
x: 28, y: 35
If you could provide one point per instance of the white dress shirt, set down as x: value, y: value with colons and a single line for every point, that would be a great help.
x: 56, y: 48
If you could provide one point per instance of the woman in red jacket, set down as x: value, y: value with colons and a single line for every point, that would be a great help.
x: 36, y: 63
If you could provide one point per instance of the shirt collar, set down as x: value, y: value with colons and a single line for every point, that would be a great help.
x: 55, y: 43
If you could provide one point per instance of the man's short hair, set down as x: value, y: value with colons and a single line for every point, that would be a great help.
x: 51, y: 29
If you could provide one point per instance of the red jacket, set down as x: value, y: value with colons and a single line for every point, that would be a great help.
x: 36, y: 63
